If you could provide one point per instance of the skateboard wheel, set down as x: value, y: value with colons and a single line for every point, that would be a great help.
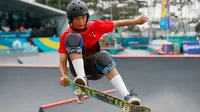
x: 125, y: 109
x: 79, y: 101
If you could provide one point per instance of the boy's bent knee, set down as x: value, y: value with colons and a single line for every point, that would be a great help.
x: 74, y: 43
x: 104, y: 62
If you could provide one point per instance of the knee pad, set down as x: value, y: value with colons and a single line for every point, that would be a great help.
x: 74, y: 43
x: 104, y: 62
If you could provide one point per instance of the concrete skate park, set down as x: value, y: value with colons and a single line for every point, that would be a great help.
x: 164, y: 84
x: 29, y: 74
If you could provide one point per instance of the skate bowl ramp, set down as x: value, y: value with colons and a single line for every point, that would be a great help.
x: 163, y: 85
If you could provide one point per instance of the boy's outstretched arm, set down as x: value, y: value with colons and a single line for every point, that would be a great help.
x: 140, y: 20
x: 63, y: 69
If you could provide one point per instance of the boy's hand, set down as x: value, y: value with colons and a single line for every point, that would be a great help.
x: 142, y: 20
x: 63, y: 82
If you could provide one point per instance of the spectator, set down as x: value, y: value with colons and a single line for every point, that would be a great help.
x: 27, y: 23
x: 161, y: 37
x: 22, y: 28
x: 6, y: 27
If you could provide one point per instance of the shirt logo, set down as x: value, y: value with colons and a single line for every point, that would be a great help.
x: 93, y: 33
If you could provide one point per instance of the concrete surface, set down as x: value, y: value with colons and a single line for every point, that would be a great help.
x: 163, y: 84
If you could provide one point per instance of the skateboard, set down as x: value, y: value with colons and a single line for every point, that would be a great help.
x: 81, y: 91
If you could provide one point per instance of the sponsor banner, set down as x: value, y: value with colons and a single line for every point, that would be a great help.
x: 191, y: 47
x: 15, y: 34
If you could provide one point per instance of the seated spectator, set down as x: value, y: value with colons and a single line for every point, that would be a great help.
x: 22, y: 28
x: 26, y: 23
x: 6, y: 27
x: 161, y: 37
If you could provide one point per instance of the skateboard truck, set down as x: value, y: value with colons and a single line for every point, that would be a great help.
x: 80, y: 95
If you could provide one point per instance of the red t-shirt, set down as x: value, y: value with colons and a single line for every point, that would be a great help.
x: 95, y: 29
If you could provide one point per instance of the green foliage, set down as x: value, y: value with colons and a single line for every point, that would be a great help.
x: 106, y: 9
x: 197, y: 28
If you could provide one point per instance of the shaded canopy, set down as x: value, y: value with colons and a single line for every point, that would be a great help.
x: 35, y: 10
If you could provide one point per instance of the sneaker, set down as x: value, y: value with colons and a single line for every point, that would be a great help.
x: 81, y: 80
x: 132, y: 99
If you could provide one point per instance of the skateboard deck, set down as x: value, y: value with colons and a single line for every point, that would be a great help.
x: 125, y: 106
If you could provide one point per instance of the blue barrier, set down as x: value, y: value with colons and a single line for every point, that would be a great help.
x: 5, y: 43
x: 8, y: 38
x: 191, y: 47
x: 47, y: 44
x: 130, y: 41
x: 50, y: 44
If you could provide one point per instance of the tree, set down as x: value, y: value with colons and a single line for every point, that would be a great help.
x: 155, y: 2
x: 59, y: 4
x: 127, y: 9
x: 181, y: 4
x: 106, y: 9
x: 197, y: 28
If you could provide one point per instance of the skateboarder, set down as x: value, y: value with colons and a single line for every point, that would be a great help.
x: 79, y: 45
